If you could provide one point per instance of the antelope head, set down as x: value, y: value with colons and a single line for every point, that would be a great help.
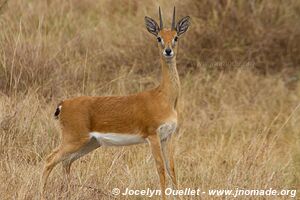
x: 167, y: 38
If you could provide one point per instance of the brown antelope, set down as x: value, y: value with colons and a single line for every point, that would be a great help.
x: 150, y: 116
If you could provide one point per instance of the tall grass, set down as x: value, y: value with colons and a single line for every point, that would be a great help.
x: 238, y: 66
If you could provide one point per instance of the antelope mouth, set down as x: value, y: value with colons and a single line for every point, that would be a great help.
x: 168, y: 56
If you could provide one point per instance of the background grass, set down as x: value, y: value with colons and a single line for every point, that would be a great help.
x: 239, y: 68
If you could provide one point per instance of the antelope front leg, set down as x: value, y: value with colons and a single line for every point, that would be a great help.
x: 170, y: 149
x: 168, y: 155
x: 156, y: 152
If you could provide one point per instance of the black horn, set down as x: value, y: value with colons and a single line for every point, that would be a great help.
x: 173, y: 20
x: 160, y: 20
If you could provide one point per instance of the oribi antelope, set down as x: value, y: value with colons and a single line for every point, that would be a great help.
x: 89, y: 122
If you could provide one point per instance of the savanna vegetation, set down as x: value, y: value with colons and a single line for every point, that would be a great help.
x: 239, y: 68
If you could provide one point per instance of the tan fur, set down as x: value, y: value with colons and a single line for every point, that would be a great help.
x: 140, y: 113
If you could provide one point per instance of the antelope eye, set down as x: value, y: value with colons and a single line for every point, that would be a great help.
x: 159, y: 39
x: 176, y: 38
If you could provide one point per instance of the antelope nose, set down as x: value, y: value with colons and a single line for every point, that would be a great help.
x: 168, y: 51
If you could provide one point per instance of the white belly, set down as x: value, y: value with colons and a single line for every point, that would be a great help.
x: 117, y: 139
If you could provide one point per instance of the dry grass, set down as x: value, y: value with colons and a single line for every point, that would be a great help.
x: 240, y: 108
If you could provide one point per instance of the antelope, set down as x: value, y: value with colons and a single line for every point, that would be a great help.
x: 89, y: 122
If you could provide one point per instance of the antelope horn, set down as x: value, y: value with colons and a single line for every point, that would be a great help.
x: 160, y: 20
x: 173, y: 20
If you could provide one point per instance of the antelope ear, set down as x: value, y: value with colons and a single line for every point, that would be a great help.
x: 151, y: 26
x: 183, y: 25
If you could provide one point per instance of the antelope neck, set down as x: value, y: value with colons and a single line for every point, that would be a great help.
x: 170, y: 83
